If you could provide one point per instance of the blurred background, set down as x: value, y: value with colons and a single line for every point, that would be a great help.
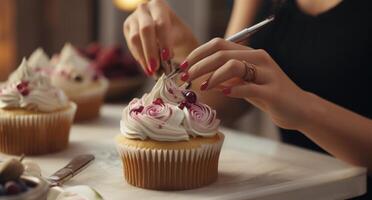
x: 96, y: 24
x: 28, y: 24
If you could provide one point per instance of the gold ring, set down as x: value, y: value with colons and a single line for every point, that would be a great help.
x: 249, y: 73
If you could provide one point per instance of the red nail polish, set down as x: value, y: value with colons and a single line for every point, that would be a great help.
x: 204, y: 85
x: 152, y: 63
x: 184, y: 76
x: 226, y: 91
x: 147, y: 71
x: 184, y: 65
x: 165, y: 54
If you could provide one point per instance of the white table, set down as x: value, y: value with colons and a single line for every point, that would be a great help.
x: 250, y: 168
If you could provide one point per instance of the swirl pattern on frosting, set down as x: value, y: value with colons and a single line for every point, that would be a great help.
x: 168, y: 91
x: 40, y: 62
x: 27, y: 89
x: 165, y: 115
x: 201, y: 120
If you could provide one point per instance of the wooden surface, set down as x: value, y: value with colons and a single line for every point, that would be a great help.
x: 250, y: 168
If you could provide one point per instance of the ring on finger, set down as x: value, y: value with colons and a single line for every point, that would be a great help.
x: 249, y: 72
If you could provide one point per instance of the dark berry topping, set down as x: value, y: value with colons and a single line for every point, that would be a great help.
x: 170, y: 91
x: 12, y: 188
x: 158, y: 101
x: 138, y: 110
x: 22, y: 87
x: 184, y: 104
x: 78, y: 78
x: 190, y: 96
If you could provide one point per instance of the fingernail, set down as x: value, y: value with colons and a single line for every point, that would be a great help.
x: 226, y: 91
x: 152, y: 66
x: 165, y: 54
x: 204, y: 85
x: 147, y: 71
x: 184, y: 65
x: 184, y: 76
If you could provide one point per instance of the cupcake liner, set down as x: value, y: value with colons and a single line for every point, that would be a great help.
x: 89, y: 103
x: 35, y: 134
x: 170, y: 169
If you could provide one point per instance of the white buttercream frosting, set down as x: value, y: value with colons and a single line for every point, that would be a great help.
x: 73, y: 72
x: 27, y: 89
x: 38, y: 59
x: 40, y: 62
x: 165, y: 115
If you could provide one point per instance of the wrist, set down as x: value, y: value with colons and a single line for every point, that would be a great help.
x: 311, y: 111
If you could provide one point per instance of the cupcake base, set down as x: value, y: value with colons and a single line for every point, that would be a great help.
x: 88, y: 108
x: 170, y: 165
x: 89, y: 102
x: 23, y: 132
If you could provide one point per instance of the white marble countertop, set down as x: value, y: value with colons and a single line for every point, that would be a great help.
x: 249, y: 168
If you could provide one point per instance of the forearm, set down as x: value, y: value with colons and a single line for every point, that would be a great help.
x: 243, y: 15
x: 341, y: 132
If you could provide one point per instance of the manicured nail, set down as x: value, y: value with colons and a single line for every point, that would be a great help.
x: 204, y: 85
x: 165, y: 54
x: 184, y: 76
x: 152, y: 66
x: 226, y: 91
x: 147, y: 71
x: 184, y: 65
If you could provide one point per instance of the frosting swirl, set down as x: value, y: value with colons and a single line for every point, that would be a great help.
x: 201, y: 120
x: 166, y: 115
x: 40, y: 62
x: 168, y: 91
x: 30, y: 90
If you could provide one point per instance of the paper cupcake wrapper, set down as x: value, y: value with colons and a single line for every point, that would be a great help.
x: 177, y: 169
x: 35, y: 134
x: 88, y: 105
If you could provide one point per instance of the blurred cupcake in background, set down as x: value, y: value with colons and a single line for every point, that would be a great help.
x: 35, y: 117
x: 118, y: 66
x: 83, y: 84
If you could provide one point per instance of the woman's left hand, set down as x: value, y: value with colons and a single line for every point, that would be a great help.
x: 242, y: 72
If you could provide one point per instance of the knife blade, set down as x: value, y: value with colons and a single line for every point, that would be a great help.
x: 75, y: 166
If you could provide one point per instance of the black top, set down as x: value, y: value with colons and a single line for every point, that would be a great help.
x: 329, y: 55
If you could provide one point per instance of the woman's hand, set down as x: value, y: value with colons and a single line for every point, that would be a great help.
x: 251, y: 74
x: 153, y: 29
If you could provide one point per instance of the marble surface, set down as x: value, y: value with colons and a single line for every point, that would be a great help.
x: 250, y: 168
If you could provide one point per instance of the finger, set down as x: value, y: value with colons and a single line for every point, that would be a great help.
x: 248, y: 90
x: 209, y: 48
x: 133, y: 39
x: 234, y: 69
x: 162, y: 27
x: 216, y: 60
x: 148, y: 37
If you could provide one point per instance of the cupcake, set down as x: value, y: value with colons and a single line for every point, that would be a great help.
x: 81, y: 83
x: 35, y: 117
x: 169, y: 140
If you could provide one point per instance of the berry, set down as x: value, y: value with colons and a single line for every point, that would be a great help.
x: 190, y: 96
x: 158, y: 101
x: 22, y: 87
x: 78, y: 78
x: 22, y: 84
x: 137, y: 110
x: 25, y: 92
x: 184, y: 104
x: 12, y: 188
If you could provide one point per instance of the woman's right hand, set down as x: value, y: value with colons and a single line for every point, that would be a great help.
x: 153, y: 29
